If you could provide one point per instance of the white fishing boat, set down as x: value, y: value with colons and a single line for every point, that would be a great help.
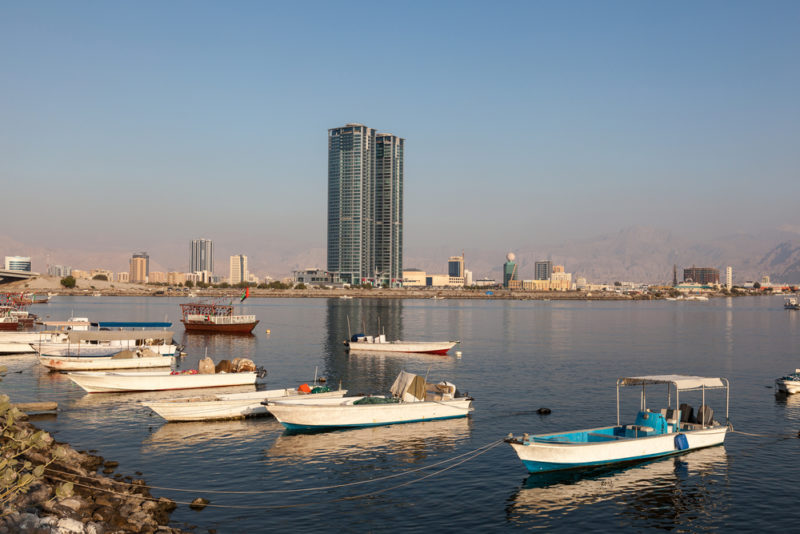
x: 412, y: 400
x: 790, y: 383
x: 655, y: 433
x: 127, y: 359
x: 230, y: 406
x: 120, y: 381
x: 791, y: 303
x: 106, y: 343
x: 360, y: 342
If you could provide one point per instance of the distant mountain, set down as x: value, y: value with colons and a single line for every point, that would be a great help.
x: 638, y: 253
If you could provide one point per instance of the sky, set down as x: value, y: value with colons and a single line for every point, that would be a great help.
x: 142, y: 125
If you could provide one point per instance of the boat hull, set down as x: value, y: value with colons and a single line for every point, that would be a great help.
x: 233, y: 406
x: 15, y: 348
x: 542, y: 456
x: 788, y: 386
x: 212, y: 328
x: 110, y: 382
x: 307, y: 414
x: 66, y: 363
x: 97, y: 351
x: 421, y: 347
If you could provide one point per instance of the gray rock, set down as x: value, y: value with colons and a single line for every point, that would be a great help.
x: 73, y: 503
x: 70, y: 526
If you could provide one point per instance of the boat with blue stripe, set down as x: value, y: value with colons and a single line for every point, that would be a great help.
x: 654, y: 433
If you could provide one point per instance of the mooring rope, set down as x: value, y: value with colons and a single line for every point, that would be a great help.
x: 464, y: 459
x: 779, y: 436
x: 479, y: 450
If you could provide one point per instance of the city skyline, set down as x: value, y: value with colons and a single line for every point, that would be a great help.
x: 532, y: 125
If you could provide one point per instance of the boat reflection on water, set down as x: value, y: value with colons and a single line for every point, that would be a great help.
x: 411, y: 442
x: 791, y: 402
x: 198, y: 435
x: 662, y: 491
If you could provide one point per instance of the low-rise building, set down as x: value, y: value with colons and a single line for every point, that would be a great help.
x: 176, y: 278
x: 157, y: 277
x: 80, y: 274
x: 414, y: 278
x: 102, y: 272
x: 312, y: 277
x: 124, y: 277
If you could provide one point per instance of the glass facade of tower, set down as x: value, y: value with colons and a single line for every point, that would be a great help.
x: 388, y: 243
x: 543, y: 270
x: 509, y: 272
x: 202, y: 256
x: 455, y: 267
x: 365, y: 206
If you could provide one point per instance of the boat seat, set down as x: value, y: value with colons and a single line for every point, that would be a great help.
x: 705, y: 415
x: 687, y: 413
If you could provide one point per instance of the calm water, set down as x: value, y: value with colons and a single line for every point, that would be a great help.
x: 517, y: 356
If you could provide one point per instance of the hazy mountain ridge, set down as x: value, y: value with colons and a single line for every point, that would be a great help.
x: 639, y: 253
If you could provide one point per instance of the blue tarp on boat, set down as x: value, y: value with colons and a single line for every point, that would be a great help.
x: 130, y: 324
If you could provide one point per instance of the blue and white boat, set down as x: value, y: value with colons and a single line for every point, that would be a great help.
x: 655, y: 432
x: 412, y: 400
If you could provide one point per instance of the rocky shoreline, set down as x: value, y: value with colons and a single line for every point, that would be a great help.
x: 68, y: 496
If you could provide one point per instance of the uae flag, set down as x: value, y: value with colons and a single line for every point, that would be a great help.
x: 245, y: 294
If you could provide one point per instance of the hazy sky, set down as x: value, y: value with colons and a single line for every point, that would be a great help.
x: 140, y: 125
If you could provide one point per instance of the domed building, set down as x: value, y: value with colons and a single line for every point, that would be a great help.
x: 509, y: 269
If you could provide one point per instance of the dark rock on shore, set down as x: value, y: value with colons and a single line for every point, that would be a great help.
x: 95, y: 505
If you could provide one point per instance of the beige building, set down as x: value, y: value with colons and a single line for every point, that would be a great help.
x: 559, y: 280
x: 105, y: 272
x: 536, y: 285
x: 414, y: 278
x: 79, y: 274
x: 138, y: 270
x: 238, y: 269
x: 157, y: 277
x: 175, y: 278
x: 123, y: 277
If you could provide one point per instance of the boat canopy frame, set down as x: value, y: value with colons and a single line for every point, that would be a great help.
x: 680, y: 383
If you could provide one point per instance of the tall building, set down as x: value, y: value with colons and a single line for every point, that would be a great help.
x: 365, y: 205
x: 238, y: 269
x: 509, y: 270
x: 542, y: 270
x: 455, y: 266
x: 139, y: 268
x: 701, y: 275
x: 729, y: 277
x: 18, y: 263
x: 202, y: 256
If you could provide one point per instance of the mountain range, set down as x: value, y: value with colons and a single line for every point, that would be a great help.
x: 635, y: 254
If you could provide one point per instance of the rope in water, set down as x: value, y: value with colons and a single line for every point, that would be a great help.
x: 781, y: 436
x: 318, y: 488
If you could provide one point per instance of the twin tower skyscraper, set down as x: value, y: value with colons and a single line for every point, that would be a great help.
x: 365, y: 206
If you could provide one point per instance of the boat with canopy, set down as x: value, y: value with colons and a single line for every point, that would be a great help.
x: 671, y: 429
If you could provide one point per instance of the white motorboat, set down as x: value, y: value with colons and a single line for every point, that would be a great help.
x: 412, y: 400
x: 136, y: 359
x: 791, y: 303
x: 229, y: 406
x: 655, y: 432
x: 120, y: 381
x: 360, y: 342
x: 790, y: 383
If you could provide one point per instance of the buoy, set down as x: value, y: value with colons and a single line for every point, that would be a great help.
x: 322, y: 380
x: 267, y: 330
x: 543, y: 411
x: 458, y: 354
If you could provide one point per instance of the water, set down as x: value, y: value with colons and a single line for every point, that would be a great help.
x: 518, y: 356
